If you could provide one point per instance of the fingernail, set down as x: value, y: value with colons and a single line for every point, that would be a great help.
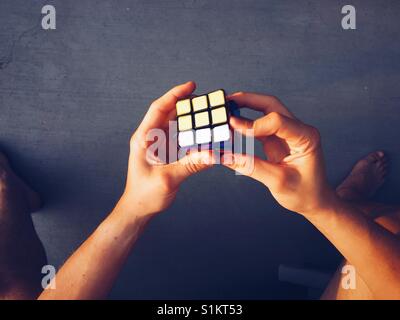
x: 233, y: 121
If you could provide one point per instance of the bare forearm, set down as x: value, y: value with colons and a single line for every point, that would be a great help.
x: 91, y: 271
x: 371, y: 249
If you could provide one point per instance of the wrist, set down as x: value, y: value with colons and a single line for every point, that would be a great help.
x: 327, y: 205
x: 133, y: 208
x: 333, y: 217
x: 123, y: 225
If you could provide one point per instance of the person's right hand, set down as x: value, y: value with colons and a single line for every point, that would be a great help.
x: 294, y: 171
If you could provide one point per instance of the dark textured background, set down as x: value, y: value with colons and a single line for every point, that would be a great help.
x: 70, y: 98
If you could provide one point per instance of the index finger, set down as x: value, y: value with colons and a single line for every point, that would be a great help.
x: 161, y: 108
x: 259, y: 102
x: 291, y: 130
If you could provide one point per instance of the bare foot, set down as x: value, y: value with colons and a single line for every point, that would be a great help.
x: 366, y: 177
x: 31, y: 196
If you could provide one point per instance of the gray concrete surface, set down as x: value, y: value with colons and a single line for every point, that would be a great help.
x: 70, y: 98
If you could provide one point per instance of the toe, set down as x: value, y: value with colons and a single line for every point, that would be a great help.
x: 384, y: 163
x: 380, y: 164
x: 382, y: 173
x: 373, y: 157
x: 376, y: 156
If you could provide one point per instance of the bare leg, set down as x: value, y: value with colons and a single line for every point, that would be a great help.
x: 22, y: 255
x: 360, y: 185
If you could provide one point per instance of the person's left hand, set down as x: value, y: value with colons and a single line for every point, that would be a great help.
x: 152, y: 184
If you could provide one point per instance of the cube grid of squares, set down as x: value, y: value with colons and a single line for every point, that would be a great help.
x: 203, y: 119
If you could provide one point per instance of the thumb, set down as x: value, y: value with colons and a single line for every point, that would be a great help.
x: 252, y: 166
x: 190, y: 164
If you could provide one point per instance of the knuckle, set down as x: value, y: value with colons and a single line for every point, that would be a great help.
x: 240, y: 94
x: 274, y: 99
x: 315, y: 135
x: 192, y: 168
x: 134, y: 142
x: 240, y: 162
x: 154, y: 104
x: 275, y: 117
x: 192, y: 165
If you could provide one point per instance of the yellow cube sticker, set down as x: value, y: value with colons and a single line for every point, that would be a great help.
x: 218, y: 115
x: 183, y: 107
x: 185, y: 123
x: 200, y: 103
x: 217, y: 98
x: 201, y: 119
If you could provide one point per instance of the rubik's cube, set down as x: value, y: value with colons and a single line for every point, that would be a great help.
x: 203, y: 119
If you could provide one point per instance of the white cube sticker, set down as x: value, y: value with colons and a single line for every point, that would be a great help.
x: 185, y: 138
x: 221, y: 133
x: 203, y: 136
